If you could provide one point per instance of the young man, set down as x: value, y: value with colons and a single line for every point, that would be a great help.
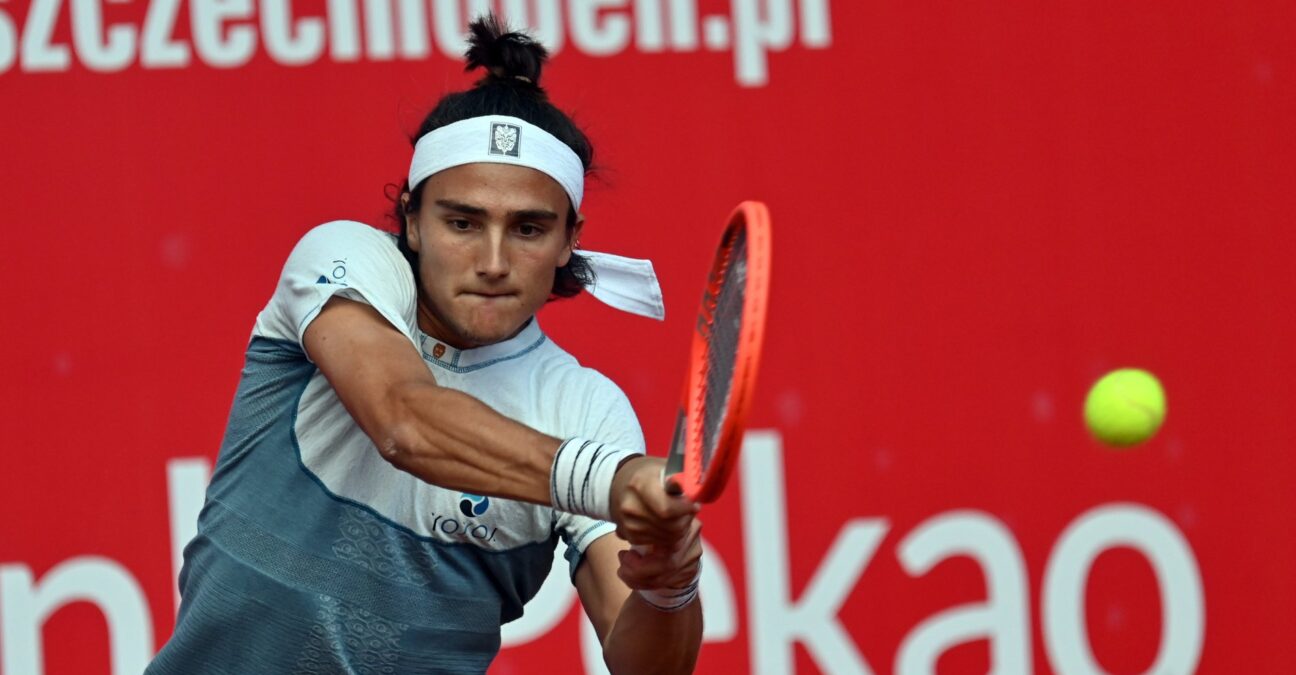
x: 406, y: 445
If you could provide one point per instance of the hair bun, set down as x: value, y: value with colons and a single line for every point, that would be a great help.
x: 512, y: 58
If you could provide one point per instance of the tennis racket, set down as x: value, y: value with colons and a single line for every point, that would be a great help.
x: 723, y: 360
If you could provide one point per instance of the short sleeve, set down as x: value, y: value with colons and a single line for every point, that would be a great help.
x: 347, y: 259
x: 610, y: 419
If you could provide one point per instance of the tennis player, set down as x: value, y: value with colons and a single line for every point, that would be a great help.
x: 406, y: 446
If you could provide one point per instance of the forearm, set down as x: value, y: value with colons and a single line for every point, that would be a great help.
x: 446, y: 437
x: 453, y: 440
x: 647, y: 640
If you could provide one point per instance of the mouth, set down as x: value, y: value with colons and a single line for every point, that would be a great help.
x: 488, y: 295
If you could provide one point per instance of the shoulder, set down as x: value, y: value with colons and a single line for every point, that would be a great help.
x: 348, y: 228
x: 591, y: 404
x: 563, y: 369
x: 349, y: 253
x: 350, y: 232
x: 340, y: 258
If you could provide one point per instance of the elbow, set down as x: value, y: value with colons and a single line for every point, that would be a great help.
x: 400, y: 446
x: 397, y: 446
x: 397, y: 436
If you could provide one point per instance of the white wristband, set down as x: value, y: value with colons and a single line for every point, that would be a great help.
x: 672, y: 599
x: 580, y: 480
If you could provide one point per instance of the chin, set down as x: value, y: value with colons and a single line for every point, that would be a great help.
x: 488, y: 333
x: 480, y: 324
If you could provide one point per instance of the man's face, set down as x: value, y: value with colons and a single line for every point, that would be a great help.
x: 490, y: 238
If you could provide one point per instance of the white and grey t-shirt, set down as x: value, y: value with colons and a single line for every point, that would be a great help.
x: 316, y: 555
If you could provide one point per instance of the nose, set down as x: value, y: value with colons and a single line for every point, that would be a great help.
x: 493, y: 258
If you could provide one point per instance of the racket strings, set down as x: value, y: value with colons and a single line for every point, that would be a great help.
x: 722, y: 328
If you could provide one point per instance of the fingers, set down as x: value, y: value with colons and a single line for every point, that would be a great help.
x: 638, y: 526
x: 667, y: 506
x: 692, y: 545
x: 658, y: 497
x: 663, y: 567
x: 644, y: 511
x: 656, y: 572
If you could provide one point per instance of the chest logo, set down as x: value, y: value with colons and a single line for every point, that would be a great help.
x: 473, y: 505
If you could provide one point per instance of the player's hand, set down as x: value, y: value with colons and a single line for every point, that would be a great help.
x: 644, y: 513
x: 661, y: 567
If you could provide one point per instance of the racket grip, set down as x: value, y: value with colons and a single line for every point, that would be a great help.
x: 668, y: 599
x: 672, y: 488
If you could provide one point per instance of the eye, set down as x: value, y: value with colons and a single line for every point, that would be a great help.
x: 530, y: 230
x: 459, y: 224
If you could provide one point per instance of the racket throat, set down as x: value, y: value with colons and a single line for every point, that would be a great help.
x: 675, y: 458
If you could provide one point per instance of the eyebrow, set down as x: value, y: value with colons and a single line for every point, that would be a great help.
x: 470, y: 210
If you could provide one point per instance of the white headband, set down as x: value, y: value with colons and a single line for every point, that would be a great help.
x: 628, y: 284
x: 498, y: 139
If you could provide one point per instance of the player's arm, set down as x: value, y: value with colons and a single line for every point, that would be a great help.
x: 453, y: 440
x: 440, y: 435
x: 636, y: 636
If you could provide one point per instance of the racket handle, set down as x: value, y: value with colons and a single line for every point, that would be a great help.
x: 672, y: 488
x: 675, y: 456
x: 667, y: 600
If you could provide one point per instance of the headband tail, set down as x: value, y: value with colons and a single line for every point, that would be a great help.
x: 627, y: 284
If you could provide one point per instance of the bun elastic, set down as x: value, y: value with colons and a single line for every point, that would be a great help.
x: 509, y: 57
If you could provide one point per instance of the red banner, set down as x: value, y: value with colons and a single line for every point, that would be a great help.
x: 979, y: 209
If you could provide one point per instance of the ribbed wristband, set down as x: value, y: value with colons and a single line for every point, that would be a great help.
x: 672, y: 599
x: 580, y: 480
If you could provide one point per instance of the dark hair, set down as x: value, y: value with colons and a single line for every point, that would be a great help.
x: 512, y: 61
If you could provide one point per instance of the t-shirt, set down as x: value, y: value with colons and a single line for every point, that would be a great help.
x: 313, y: 553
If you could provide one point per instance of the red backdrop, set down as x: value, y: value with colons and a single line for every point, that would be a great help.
x: 979, y: 208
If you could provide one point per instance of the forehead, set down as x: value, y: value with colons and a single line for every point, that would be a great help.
x: 503, y: 187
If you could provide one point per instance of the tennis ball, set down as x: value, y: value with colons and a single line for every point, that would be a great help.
x: 1125, y: 407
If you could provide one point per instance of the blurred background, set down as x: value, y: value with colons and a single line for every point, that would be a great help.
x: 980, y: 208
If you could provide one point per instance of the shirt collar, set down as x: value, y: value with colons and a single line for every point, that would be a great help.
x: 466, y: 360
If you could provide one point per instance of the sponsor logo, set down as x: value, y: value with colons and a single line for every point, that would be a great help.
x: 505, y: 139
x: 463, y: 528
x: 469, y: 504
x: 338, y: 273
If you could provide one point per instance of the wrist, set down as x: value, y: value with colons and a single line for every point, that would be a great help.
x: 672, y: 599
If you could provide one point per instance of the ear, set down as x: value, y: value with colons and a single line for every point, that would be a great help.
x: 572, y: 238
x: 411, y: 223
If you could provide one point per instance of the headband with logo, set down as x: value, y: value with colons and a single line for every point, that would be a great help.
x: 628, y: 284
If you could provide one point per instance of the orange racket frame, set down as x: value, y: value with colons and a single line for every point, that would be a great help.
x: 706, y: 485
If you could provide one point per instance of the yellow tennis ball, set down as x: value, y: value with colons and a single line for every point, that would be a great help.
x: 1125, y: 407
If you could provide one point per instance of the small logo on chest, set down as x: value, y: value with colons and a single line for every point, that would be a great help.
x: 473, y: 505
